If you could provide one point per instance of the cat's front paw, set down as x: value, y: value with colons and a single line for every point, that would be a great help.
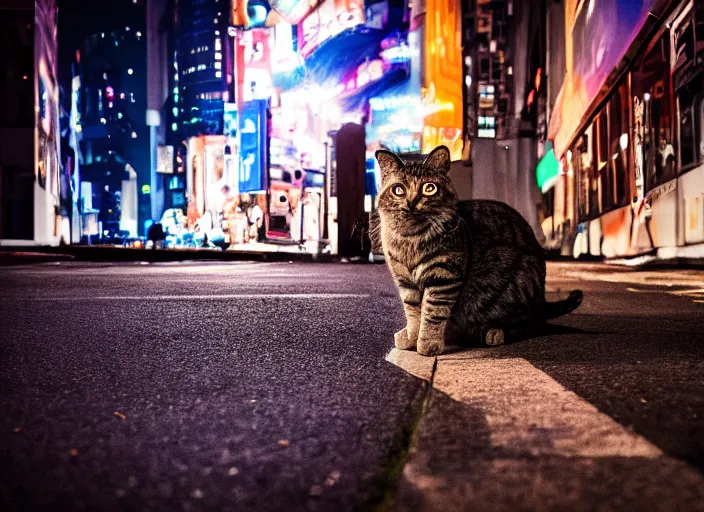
x: 430, y: 347
x: 402, y: 341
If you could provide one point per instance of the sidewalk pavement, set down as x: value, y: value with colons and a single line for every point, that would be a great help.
x: 310, y: 252
x: 103, y: 253
x: 500, y: 434
x: 26, y: 257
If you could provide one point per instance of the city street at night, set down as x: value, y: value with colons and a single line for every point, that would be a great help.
x: 268, y: 255
x: 274, y: 386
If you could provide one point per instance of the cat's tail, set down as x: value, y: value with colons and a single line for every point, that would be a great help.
x: 562, y: 307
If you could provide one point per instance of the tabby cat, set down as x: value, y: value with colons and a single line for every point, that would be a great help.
x: 465, y: 270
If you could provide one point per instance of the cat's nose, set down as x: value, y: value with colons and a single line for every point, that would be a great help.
x: 410, y: 205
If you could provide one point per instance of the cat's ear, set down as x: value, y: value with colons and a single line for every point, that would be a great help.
x: 389, y: 163
x: 438, y: 159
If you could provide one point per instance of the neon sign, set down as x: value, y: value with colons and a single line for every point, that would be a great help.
x: 397, y: 55
x: 293, y: 11
x: 393, y: 102
x: 369, y: 72
x: 331, y: 18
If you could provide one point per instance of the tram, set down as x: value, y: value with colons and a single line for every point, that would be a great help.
x: 623, y: 174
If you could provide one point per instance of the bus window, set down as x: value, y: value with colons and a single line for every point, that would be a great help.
x: 651, y: 86
x: 690, y: 102
x: 619, y: 161
x: 603, y: 167
x: 687, y: 85
x: 700, y: 125
x: 583, y: 157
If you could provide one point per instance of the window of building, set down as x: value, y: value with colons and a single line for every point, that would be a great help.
x: 176, y: 183
x: 486, y: 96
x: 651, y: 83
x: 486, y: 126
x: 484, y: 68
x: 17, y: 64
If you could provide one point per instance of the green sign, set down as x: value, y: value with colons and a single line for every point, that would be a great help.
x: 146, y: 189
x: 548, y: 169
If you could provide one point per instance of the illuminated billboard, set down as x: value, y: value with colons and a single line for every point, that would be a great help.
x: 253, y: 54
x: 397, y: 119
x: 293, y: 11
x: 442, y: 66
x: 330, y: 19
x: 229, y: 118
x: 253, y: 13
x: 397, y: 114
x: 253, y: 146
x: 165, y: 159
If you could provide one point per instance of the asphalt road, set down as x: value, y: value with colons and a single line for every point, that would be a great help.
x: 264, y: 386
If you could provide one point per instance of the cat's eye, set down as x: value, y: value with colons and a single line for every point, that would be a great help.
x: 429, y: 189
x: 398, y: 190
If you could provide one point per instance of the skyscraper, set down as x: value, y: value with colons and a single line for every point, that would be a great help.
x: 111, y: 123
x: 201, y: 29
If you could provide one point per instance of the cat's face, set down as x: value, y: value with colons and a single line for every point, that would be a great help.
x: 416, y: 190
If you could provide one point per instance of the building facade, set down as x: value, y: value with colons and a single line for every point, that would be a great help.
x: 247, y: 106
x: 201, y: 32
x: 505, y: 51
x: 31, y: 211
x: 110, y: 131
x: 187, y: 51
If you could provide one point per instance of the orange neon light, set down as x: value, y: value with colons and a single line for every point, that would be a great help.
x: 442, y: 69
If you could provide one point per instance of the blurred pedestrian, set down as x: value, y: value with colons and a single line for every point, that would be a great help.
x: 156, y: 235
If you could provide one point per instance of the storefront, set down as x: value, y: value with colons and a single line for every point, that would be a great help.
x: 300, y: 78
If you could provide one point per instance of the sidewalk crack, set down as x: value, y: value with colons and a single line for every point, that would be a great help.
x: 404, y: 451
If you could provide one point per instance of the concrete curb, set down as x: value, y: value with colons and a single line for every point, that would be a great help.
x: 26, y: 257
x: 14, y: 255
x: 494, y: 433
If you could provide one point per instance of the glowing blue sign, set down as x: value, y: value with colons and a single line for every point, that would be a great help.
x: 253, y: 146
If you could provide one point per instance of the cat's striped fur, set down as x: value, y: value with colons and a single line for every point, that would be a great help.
x: 463, y: 269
